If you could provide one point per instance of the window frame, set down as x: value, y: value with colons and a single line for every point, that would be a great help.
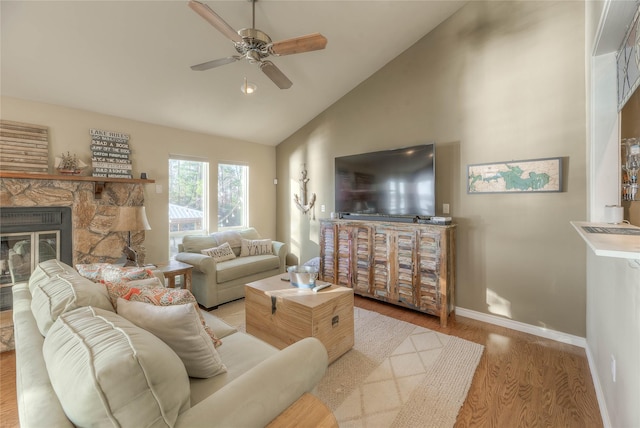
x: 206, y: 212
x: 245, y: 212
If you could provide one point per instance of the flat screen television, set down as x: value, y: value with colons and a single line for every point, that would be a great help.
x: 391, y: 183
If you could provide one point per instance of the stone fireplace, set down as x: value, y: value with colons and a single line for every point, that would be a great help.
x: 92, y: 240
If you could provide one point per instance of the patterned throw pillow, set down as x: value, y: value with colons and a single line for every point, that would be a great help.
x: 256, y: 247
x: 124, y: 289
x: 161, y: 296
x: 221, y: 253
x: 92, y: 271
x: 113, y: 273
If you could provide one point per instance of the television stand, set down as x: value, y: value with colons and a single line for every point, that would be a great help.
x: 407, y: 264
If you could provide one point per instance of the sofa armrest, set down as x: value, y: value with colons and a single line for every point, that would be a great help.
x: 281, y: 249
x: 200, y: 262
x: 265, y: 391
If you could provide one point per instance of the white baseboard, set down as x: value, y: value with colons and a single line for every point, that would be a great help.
x: 604, y: 413
x: 558, y: 336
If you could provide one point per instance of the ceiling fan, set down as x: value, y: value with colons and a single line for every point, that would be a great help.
x: 255, y: 45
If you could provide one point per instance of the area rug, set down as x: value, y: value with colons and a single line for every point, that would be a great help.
x: 397, y: 374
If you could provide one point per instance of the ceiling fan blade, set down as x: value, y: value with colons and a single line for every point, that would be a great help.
x: 214, y: 19
x: 275, y: 75
x: 310, y: 42
x: 215, y: 63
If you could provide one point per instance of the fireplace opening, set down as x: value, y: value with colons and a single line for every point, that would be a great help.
x: 28, y: 236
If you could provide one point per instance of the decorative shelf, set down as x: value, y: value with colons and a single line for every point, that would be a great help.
x: 98, y: 182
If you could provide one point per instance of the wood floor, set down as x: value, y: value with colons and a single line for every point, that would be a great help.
x: 521, y: 381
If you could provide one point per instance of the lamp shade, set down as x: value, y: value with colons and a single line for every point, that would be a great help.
x: 131, y: 219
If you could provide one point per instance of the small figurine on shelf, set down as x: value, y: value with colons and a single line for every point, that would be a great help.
x: 69, y: 164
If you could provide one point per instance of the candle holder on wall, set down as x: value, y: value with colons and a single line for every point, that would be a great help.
x: 301, y: 201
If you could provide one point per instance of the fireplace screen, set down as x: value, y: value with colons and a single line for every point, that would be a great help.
x: 21, y: 252
x: 28, y: 236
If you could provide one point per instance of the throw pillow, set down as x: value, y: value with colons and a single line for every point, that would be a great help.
x: 106, y: 371
x: 180, y: 327
x: 221, y: 253
x: 113, y: 273
x: 124, y: 289
x: 160, y: 296
x: 256, y: 247
x: 92, y: 271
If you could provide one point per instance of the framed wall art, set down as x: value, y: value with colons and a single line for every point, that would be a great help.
x: 533, y: 175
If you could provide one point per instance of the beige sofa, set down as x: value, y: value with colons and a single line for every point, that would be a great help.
x: 94, y: 367
x: 217, y: 282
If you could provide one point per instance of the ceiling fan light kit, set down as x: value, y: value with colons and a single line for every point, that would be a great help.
x: 255, y: 45
x: 248, y: 88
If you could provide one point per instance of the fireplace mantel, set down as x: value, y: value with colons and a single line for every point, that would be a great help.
x: 98, y: 182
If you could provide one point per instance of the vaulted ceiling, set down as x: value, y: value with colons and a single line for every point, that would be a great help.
x: 132, y: 58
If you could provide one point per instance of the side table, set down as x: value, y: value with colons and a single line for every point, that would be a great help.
x: 173, y: 268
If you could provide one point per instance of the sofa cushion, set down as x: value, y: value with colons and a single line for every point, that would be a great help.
x: 249, y: 233
x: 107, y: 371
x: 231, y: 237
x: 47, y: 270
x: 241, y: 352
x: 234, y: 237
x: 180, y: 327
x: 57, y: 288
x: 195, y: 244
x: 221, y: 253
x: 245, y: 266
x: 256, y: 247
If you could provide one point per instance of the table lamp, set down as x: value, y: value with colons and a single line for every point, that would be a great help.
x: 131, y: 219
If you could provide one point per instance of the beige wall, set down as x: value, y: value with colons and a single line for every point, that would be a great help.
x: 497, y: 81
x: 151, y: 146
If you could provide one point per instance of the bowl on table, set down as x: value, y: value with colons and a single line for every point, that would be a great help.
x: 303, y: 276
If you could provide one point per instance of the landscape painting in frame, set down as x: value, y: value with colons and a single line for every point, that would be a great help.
x: 533, y: 175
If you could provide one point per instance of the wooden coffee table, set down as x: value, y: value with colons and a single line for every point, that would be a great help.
x: 281, y: 314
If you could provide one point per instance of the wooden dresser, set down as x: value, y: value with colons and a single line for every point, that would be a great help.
x: 407, y: 264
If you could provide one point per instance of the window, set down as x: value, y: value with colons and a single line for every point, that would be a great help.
x: 233, y: 209
x: 188, y: 200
